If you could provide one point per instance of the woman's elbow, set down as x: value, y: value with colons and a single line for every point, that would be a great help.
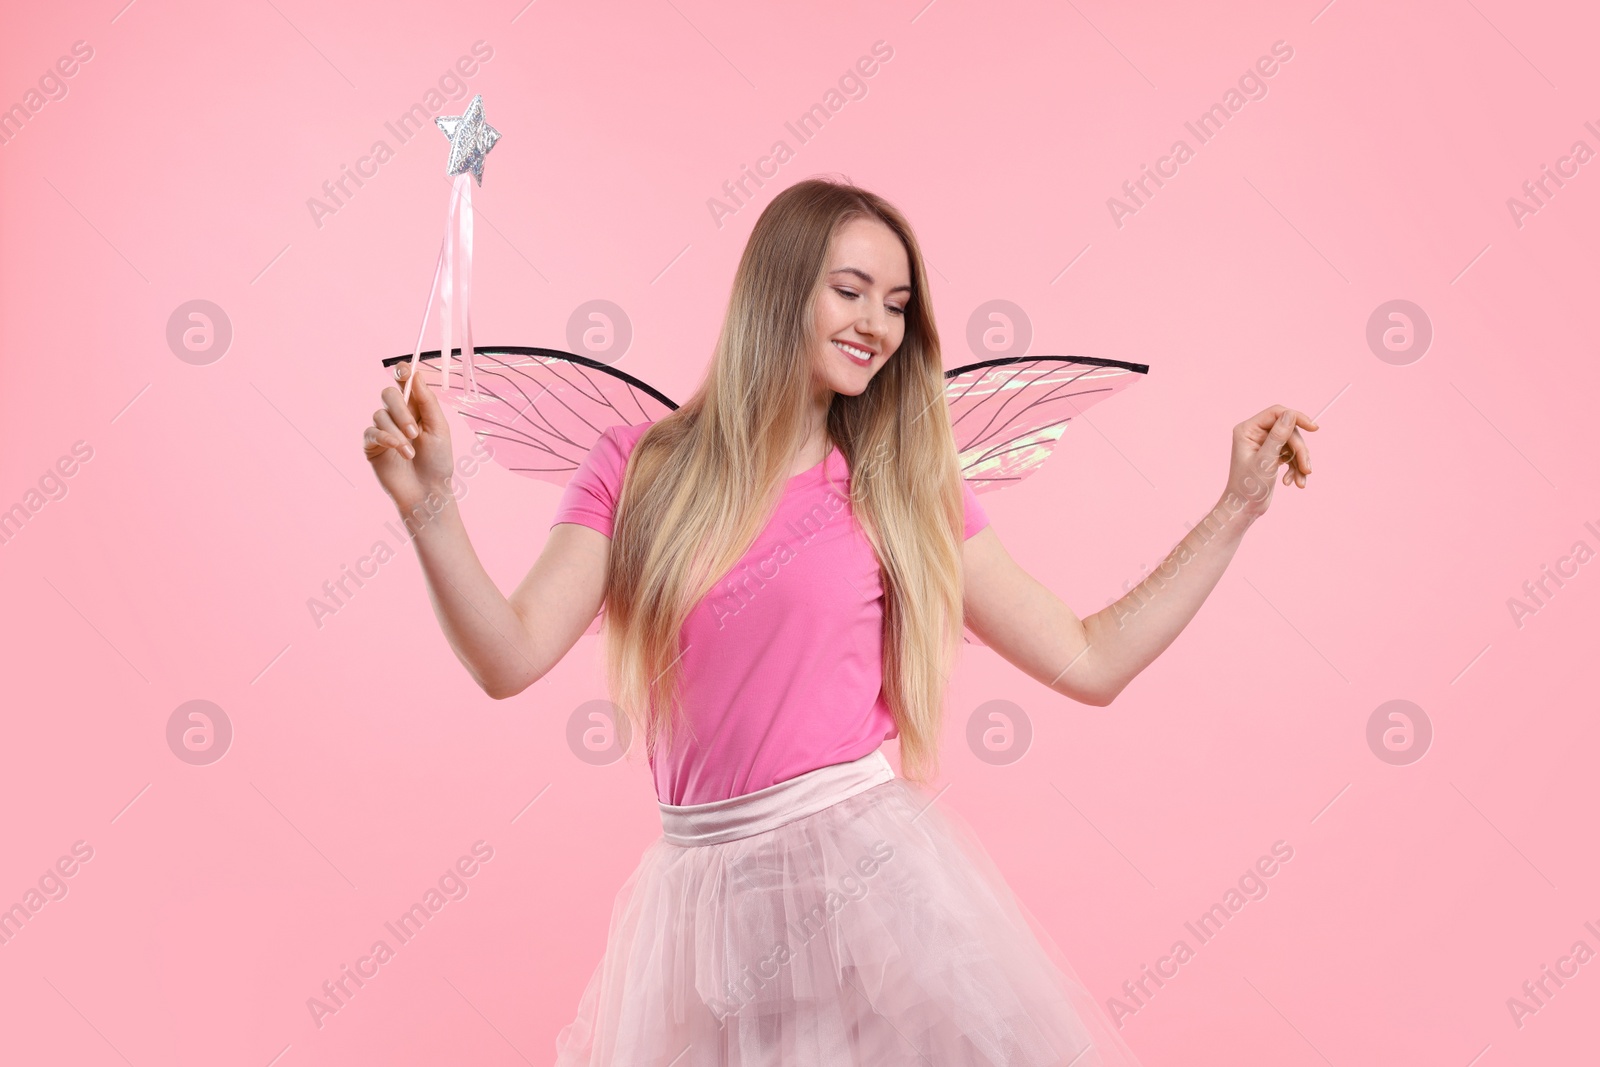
x: 506, y: 688
x: 1094, y: 696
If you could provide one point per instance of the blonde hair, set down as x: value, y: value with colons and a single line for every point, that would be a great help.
x: 702, y: 482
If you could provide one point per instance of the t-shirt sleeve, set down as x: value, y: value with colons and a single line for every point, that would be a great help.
x: 590, y: 498
x: 977, y: 518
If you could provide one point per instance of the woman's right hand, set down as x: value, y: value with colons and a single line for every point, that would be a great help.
x: 408, y: 444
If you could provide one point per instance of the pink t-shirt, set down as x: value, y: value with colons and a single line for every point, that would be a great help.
x: 782, y: 669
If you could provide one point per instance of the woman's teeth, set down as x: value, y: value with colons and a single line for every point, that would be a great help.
x: 854, y: 353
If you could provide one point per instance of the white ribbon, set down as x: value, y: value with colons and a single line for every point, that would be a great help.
x: 457, y: 289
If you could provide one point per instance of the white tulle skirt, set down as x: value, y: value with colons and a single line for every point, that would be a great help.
x: 838, y: 918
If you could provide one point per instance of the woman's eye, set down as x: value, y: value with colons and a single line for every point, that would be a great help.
x: 853, y: 295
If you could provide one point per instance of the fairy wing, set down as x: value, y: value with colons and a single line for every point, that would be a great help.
x: 540, y: 410
x: 1009, y: 413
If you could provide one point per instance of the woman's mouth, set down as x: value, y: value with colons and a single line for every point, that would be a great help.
x: 860, y: 356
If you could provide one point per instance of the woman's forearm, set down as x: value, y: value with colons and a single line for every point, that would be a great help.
x: 488, y: 636
x: 1126, y: 636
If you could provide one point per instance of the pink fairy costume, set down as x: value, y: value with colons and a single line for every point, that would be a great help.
x: 783, y: 664
x: 805, y: 905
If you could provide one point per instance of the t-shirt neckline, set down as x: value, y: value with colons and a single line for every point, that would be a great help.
x: 812, y: 470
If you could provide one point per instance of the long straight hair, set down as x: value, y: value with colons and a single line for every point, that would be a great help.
x: 702, y: 482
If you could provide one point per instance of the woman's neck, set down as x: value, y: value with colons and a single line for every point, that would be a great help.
x: 816, y: 445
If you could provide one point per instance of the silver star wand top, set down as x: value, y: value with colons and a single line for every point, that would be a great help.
x: 471, y: 137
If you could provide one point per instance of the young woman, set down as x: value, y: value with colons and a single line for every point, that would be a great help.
x: 786, y: 562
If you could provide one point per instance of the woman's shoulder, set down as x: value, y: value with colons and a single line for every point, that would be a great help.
x: 595, y: 484
x: 627, y: 434
x: 617, y: 441
x: 608, y: 456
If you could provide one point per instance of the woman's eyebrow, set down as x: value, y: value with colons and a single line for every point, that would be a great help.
x: 864, y: 276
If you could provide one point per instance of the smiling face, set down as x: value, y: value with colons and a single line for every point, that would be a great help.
x: 860, y: 309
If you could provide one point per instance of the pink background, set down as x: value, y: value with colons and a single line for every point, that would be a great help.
x: 364, y: 762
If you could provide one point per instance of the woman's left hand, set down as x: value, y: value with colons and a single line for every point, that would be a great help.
x: 1260, y: 444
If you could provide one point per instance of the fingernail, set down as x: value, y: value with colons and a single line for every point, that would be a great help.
x: 411, y: 453
x: 411, y: 431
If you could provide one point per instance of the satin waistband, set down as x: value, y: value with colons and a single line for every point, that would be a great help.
x: 717, y: 821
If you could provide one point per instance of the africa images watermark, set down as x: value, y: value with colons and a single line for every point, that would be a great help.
x: 1250, y: 887
x: 338, y: 192
x: 338, y: 591
x: 1138, y: 597
x: 52, y: 87
x: 1579, y: 554
x: 852, y: 85
x: 738, y: 590
x: 741, y: 991
x: 1251, y: 85
x: 1538, y: 191
x: 51, y: 886
x: 450, y: 886
x: 1536, y: 992
x: 51, y: 486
